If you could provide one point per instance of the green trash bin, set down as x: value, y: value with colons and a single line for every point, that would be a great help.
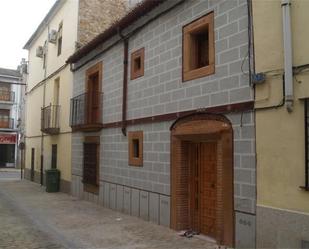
x: 52, y: 180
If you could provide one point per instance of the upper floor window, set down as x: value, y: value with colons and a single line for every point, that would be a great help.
x: 137, y: 63
x: 93, y: 94
x: 199, y: 48
x: 59, y: 39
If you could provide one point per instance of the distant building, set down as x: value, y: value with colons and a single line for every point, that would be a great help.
x: 10, y: 99
x: 66, y: 27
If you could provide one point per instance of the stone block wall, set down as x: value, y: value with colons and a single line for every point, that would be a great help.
x: 145, y: 191
x: 161, y: 89
x: 131, y: 189
x: 97, y: 15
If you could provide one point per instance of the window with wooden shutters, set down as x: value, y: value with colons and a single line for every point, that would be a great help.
x: 199, y: 48
x: 90, y: 163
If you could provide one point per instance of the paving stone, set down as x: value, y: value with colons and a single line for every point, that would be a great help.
x: 32, y: 219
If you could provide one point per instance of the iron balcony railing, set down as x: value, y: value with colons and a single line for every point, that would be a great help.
x: 7, y: 96
x: 6, y: 123
x: 50, y: 119
x: 86, y: 111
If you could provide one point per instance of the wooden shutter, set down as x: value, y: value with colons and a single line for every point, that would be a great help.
x: 90, y: 169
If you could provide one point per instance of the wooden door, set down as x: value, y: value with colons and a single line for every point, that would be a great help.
x: 203, y: 187
x: 208, y: 188
x: 90, y: 168
x: 93, y: 96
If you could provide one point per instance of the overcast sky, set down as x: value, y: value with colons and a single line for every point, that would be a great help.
x: 18, y: 20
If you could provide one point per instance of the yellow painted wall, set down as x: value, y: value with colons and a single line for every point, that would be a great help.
x: 64, y: 153
x: 36, y: 71
x: 279, y: 134
x: 68, y: 15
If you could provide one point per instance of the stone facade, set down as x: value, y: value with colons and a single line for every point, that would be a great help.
x: 146, y: 191
x: 96, y: 15
x: 281, y: 228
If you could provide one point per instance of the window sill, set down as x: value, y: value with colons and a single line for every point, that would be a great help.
x: 198, y: 73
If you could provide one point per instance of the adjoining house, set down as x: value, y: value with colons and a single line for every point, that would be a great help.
x: 11, y: 91
x: 67, y: 26
x: 281, y: 104
x: 163, y: 120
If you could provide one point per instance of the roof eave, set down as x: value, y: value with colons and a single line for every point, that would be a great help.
x: 54, y: 9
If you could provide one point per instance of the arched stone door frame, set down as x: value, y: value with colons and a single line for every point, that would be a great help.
x: 203, y: 127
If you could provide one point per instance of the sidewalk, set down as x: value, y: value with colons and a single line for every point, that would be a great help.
x: 9, y: 174
x: 74, y: 223
x: 9, y: 170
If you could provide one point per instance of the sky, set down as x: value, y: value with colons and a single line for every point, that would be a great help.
x: 18, y: 21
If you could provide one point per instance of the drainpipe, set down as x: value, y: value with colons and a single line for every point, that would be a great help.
x: 125, y: 82
x: 43, y: 100
x: 125, y: 87
x: 288, y: 67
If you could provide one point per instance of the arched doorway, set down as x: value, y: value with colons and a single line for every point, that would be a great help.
x: 202, y: 176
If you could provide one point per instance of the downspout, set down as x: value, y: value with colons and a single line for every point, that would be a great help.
x: 44, y: 92
x: 125, y: 83
x: 288, y: 67
x: 306, y: 146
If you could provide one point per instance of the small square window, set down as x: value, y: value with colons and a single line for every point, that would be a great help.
x: 136, y: 148
x: 137, y: 63
x: 198, y: 48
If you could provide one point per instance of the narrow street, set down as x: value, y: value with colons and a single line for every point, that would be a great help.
x: 32, y: 218
x: 18, y: 231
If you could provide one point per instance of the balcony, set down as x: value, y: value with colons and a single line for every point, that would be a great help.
x: 7, y: 96
x: 50, y: 119
x: 6, y: 123
x: 86, y: 112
